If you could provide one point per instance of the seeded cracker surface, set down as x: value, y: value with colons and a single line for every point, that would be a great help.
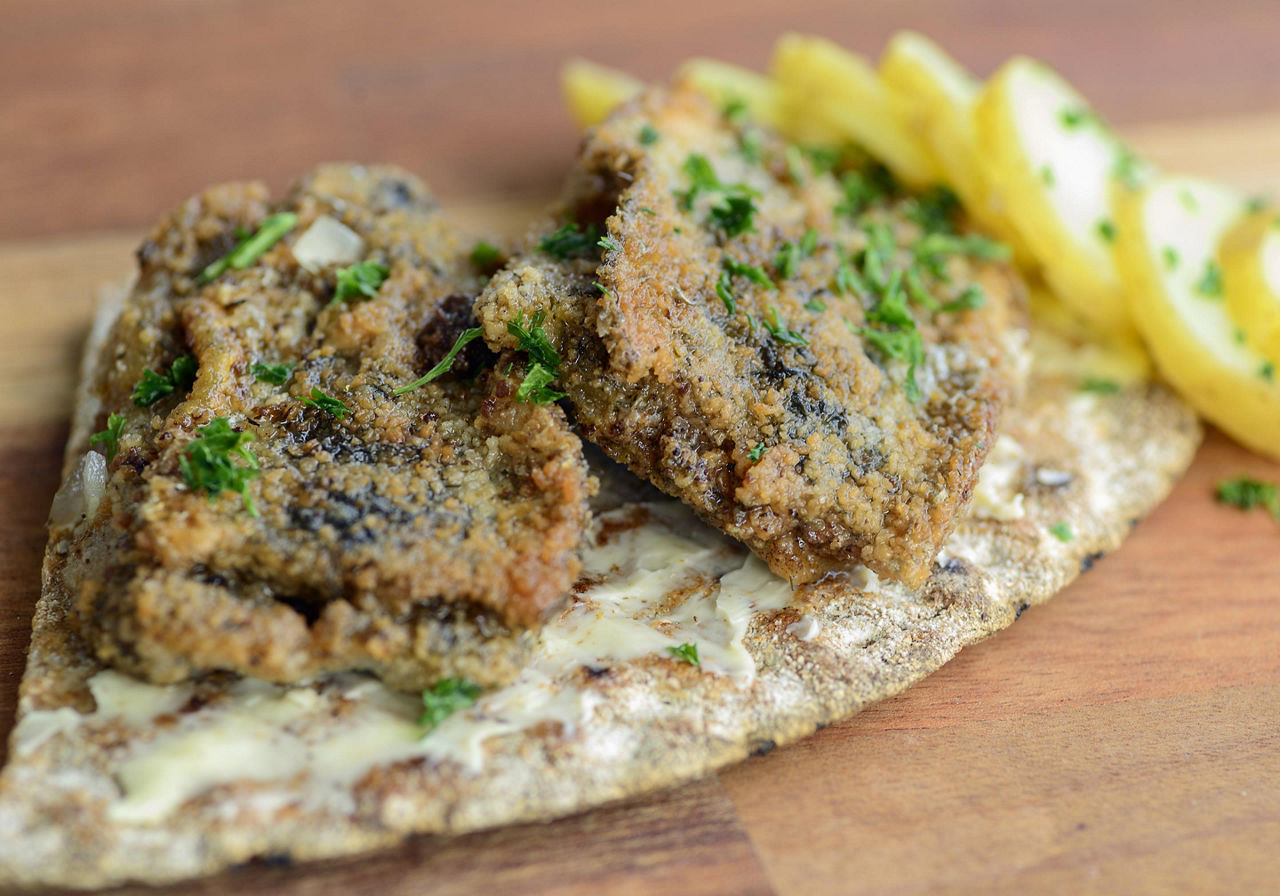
x: 416, y: 536
x: 713, y: 344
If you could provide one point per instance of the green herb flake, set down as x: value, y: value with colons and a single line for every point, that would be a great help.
x: 364, y: 278
x: 208, y: 462
x: 750, y: 148
x: 822, y: 159
x: 250, y: 248
x: 1247, y: 493
x: 1062, y: 531
x: 1127, y: 169
x: 570, y: 241
x: 604, y: 290
x: 794, y: 157
x: 1238, y: 335
x: 724, y: 289
x: 327, y: 403
x: 1047, y: 177
x: 1256, y: 204
x: 1210, y: 283
x: 904, y: 345
x: 1106, y: 230
x: 1075, y: 116
x: 862, y: 189
x: 749, y: 271
x: 109, y: 438
x: 444, y: 698
x: 971, y: 298
x: 648, y: 135
x: 1170, y: 256
x: 154, y: 386
x: 734, y: 215
x: 817, y: 306
x: 848, y: 282
x: 535, y: 386
x: 935, y: 247
x: 608, y: 243
x: 1099, y: 385
x: 1267, y: 371
x: 736, y: 110
x: 687, y: 653
x: 702, y: 178
x: 934, y: 210
x: 485, y: 256
x: 533, y: 340
x: 756, y: 453
x: 446, y: 363
x: 780, y: 331
x: 274, y: 374
x: 1188, y: 200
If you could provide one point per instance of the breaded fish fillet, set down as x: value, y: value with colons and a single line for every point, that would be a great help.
x: 815, y: 364
x: 273, y: 507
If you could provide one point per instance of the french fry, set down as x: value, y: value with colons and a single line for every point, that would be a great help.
x: 724, y: 83
x: 593, y: 91
x: 1250, y: 257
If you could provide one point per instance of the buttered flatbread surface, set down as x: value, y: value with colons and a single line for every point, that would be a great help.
x: 814, y: 361
x: 113, y: 779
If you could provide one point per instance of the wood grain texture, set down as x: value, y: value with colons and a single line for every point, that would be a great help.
x: 1122, y: 738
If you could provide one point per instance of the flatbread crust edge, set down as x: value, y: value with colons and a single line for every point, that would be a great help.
x: 659, y: 723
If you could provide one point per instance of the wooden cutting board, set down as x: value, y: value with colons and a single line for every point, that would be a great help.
x: 1124, y: 737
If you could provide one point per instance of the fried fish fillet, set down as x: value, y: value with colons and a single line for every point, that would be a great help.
x: 417, y: 535
x: 815, y: 365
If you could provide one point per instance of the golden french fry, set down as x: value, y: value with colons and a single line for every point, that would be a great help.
x: 593, y: 91
x: 725, y: 83
x: 1250, y: 257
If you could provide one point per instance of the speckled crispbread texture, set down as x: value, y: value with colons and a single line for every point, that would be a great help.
x: 658, y: 723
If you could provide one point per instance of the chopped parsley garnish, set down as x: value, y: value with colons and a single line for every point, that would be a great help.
x: 1047, y: 177
x: 544, y: 360
x: 1099, y: 385
x: 1256, y: 204
x: 446, y: 363
x: 724, y: 289
x: 903, y: 345
x: 535, y: 389
x: 444, y: 698
x: 756, y: 453
x: 275, y: 374
x: 327, y: 403
x: 154, y: 386
x: 364, y: 278
x: 791, y: 254
x: 749, y: 146
x: 1210, y: 282
x: 734, y: 214
x: 109, y: 438
x: 604, y: 290
x: 687, y: 653
x: 736, y: 110
x: 607, y: 243
x: 1188, y: 200
x: 485, y: 256
x: 208, y: 462
x: 751, y: 272
x: 1170, y: 256
x: 570, y: 241
x: 1267, y: 371
x: 822, y: 159
x: 971, y: 298
x: 934, y: 247
x: 1062, y: 531
x: 250, y: 248
x: 1246, y: 493
x: 1073, y: 117
x: 780, y: 331
x: 648, y: 135
x: 817, y: 306
x: 1238, y: 335
x: 1107, y: 230
x: 702, y: 179
x: 794, y: 157
x: 1127, y: 169
x: 863, y: 188
x: 933, y: 210
x: 848, y: 281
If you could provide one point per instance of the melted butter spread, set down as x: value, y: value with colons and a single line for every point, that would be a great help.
x: 655, y: 578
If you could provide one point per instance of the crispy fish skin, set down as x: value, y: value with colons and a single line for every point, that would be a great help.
x: 418, y: 536
x: 775, y: 419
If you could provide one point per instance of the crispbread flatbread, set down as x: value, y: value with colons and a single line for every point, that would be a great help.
x: 75, y: 808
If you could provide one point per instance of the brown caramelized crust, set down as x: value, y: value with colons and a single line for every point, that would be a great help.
x: 764, y: 405
x: 418, y: 536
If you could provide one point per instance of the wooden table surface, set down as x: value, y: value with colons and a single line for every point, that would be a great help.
x: 1123, y: 738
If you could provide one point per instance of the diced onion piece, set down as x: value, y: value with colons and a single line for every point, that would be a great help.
x: 328, y: 242
x: 831, y: 97
x: 1250, y: 255
x: 724, y: 83
x: 81, y: 493
x: 593, y: 91
x: 1167, y: 238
